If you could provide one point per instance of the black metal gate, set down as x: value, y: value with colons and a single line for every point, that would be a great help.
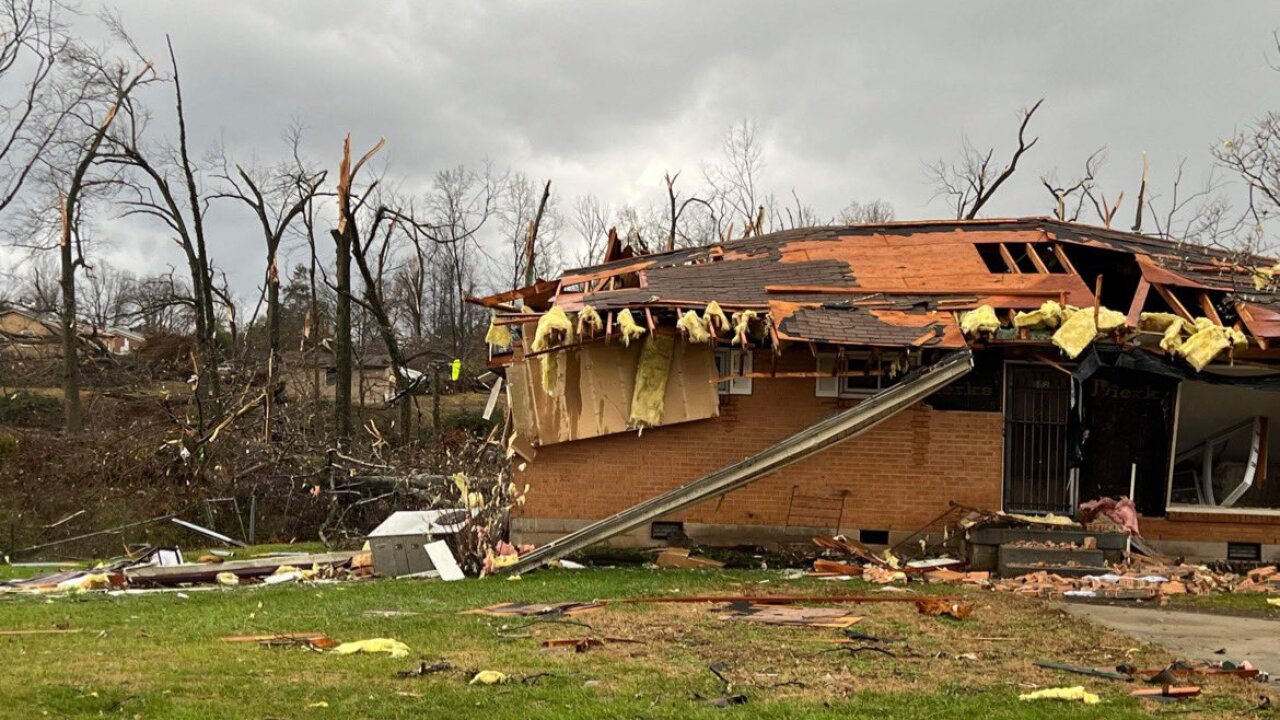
x: 1036, y: 476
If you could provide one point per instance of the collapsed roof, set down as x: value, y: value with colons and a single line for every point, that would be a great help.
x: 899, y: 284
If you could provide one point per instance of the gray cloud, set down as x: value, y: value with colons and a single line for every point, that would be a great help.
x: 603, y: 97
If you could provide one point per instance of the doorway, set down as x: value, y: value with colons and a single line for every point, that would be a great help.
x: 1036, y: 474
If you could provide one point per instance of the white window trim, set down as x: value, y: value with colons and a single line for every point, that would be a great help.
x: 734, y: 362
x: 837, y: 385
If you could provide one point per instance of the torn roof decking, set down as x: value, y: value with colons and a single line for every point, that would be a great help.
x: 838, y: 324
x: 917, y: 268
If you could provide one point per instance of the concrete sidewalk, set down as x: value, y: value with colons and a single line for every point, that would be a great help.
x: 1192, y: 635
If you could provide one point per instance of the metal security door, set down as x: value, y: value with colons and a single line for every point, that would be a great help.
x: 1036, y: 476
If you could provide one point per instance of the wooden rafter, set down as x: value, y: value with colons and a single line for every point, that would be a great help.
x: 1008, y: 260
x: 1036, y: 259
x: 1173, y: 302
x: 1139, y: 301
x: 1062, y: 258
x: 1206, y: 304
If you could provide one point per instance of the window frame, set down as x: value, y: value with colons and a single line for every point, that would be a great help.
x: 730, y: 361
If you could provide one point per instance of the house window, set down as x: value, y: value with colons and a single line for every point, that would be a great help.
x: 733, y: 363
x: 854, y: 386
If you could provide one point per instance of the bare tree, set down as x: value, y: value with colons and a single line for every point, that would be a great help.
x: 526, y: 212
x: 1068, y: 199
x: 178, y: 203
x: 735, y: 180
x: 371, y: 223
x: 106, y: 292
x: 277, y: 196
x: 590, y: 218
x: 969, y: 183
x: 459, y: 205
x: 33, y: 43
x: 676, y: 234
x: 1253, y: 154
x: 860, y: 213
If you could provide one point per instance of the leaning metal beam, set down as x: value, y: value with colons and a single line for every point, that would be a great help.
x: 809, y: 441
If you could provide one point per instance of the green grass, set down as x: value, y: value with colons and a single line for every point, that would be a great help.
x: 158, y: 656
x: 1253, y: 604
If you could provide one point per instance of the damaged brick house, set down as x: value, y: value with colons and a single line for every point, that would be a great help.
x: 1020, y: 365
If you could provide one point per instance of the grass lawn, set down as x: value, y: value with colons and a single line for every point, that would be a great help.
x: 158, y: 656
x: 1248, y: 604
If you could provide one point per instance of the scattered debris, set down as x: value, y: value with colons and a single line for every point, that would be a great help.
x: 680, y: 558
x: 584, y: 644
x: 1168, y: 691
x: 937, y: 607
x: 488, y: 677
x: 316, y: 641
x: 518, y: 609
x: 1092, y: 672
x: 394, y: 648
x: 424, y: 669
x: 1063, y: 693
x: 443, y: 561
x: 791, y: 615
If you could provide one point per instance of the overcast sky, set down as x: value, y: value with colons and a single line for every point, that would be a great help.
x: 851, y: 99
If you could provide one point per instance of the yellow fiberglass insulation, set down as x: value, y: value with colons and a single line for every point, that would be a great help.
x: 1048, y: 317
x: 693, y: 328
x: 498, y: 336
x: 1207, y: 341
x: 1264, y: 278
x: 651, y: 381
x: 1157, y: 321
x: 1172, y: 339
x: 715, y: 319
x: 589, y: 321
x: 554, y: 329
x: 1076, y: 333
x: 979, y: 320
x: 742, y: 326
x: 1109, y: 320
x: 630, y: 330
x: 1078, y: 328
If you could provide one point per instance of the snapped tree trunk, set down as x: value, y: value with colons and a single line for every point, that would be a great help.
x: 342, y: 335
x: 70, y: 341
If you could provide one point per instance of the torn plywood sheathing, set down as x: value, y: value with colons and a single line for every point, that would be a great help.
x: 599, y: 384
x: 811, y: 440
x: 651, y: 381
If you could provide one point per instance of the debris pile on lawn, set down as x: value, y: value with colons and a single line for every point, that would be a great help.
x: 1053, y: 557
x: 155, y: 570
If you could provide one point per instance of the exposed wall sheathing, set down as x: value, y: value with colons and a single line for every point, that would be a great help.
x: 598, y: 384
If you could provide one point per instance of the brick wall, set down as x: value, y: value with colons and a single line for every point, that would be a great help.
x: 897, y: 476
